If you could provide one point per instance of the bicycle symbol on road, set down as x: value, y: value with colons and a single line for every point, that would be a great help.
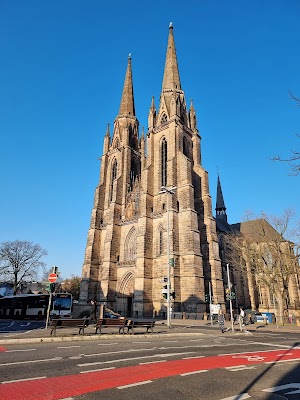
x: 251, y: 358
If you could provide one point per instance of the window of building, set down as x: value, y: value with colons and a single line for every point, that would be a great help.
x: 114, y: 172
x: 163, y: 119
x: 164, y: 151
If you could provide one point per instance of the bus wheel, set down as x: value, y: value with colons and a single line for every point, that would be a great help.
x: 40, y: 315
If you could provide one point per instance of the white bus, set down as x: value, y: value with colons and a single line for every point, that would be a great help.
x: 34, y: 306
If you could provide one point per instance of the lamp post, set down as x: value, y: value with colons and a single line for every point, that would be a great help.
x: 168, y: 191
x: 230, y: 300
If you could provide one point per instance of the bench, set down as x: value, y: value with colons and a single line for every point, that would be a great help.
x: 137, y: 324
x: 80, y: 323
x: 111, y: 322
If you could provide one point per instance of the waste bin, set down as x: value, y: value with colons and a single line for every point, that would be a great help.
x: 269, y: 316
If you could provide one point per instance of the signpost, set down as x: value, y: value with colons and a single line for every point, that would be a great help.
x: 51, y: 278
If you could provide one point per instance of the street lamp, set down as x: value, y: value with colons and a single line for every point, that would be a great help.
x: 168, y: 191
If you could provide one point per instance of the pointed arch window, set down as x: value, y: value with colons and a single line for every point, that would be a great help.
x: 160, y: 240
x: 114, y: 172
x: 164, y: 119
x: 185, y: 147
x: 130, y: 246
x: 164, y: 152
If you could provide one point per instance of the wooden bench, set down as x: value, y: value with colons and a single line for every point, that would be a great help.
x: 137, y: 324
x: 111, y: 322
x: 80, y: 323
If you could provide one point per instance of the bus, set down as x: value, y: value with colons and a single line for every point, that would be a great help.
x: 35, y: 306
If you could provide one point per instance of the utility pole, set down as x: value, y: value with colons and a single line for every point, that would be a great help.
x: 230, y: 301
x: 168, y: 191
x: 210, y: 303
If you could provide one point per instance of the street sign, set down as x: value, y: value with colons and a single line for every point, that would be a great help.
x: 52, y: 278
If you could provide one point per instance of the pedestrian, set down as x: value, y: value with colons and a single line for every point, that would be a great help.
x: 221, y: 320
x: 93, y: 315
x: 242, y: 318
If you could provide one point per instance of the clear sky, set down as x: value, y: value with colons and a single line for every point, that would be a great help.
x: 62, y: 70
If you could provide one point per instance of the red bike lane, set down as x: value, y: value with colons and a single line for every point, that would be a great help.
x: 74, y: 385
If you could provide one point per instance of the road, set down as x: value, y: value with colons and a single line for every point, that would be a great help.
x: 190, y: 366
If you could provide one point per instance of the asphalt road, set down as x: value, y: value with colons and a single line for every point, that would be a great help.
x: 185, y: 367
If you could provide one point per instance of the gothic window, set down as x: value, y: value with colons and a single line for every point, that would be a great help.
x: 163, y: 119
x: 164, y: 152
x: 185, y: 147
x: 130, y: 245
x: 160, y: 240
x: 114, y: 172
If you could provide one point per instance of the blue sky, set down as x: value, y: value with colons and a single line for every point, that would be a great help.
x: 61, y: 77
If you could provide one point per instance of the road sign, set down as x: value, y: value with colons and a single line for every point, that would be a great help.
x: 52, y: 278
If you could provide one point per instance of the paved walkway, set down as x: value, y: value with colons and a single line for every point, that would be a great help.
x: 179, y: 327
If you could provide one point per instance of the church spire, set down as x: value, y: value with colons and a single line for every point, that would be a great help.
x: 220, y: 204
x: 127, y: 101
x: 171, y: 78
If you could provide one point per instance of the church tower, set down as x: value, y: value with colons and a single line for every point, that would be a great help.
x: 126, y: 258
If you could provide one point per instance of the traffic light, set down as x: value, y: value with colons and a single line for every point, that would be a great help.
x: 207, y: 298
x: 227, y: 291
x: 173, y: 295
x: 52, y: 287
x: 165, y: 291
x: 233, y: 295
x: 172, y: 262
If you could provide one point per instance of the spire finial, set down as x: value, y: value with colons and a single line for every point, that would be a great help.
x: 129, y: 56
x: 171, y: 25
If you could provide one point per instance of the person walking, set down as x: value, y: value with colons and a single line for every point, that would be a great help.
x: 221, y: 320
x: 242, y: 318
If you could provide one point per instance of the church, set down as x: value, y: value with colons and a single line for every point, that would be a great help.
x: 152, y: 219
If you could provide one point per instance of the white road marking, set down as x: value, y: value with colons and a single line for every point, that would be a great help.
x: 276, y: 345
x: 133, y: 358
x: 75, y: 357
x: 23, y: 380
x: 31, y: 361
x: 12, y: 351
x: 141, y: 342
x: 67, y: 347
x: 242, y: 396
x: 133, y: 384
x: 96, y: 370
x: 259, y: 351
x: 116, y: 352
x: 194, y: 372
x: 240, y: 368
x: 188, y: 358
x: 152, y: 362
x: 170, y: 341
x: 106, y: 344
x: 195, y: 340
x: 281, y: 361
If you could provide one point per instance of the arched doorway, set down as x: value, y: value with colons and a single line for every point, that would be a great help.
x: 125, y: 293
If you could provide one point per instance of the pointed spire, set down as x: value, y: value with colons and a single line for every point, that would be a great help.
x: 171, y: 74
x: 108, y: 130
x: 127, y: 101
x: 220, y: 205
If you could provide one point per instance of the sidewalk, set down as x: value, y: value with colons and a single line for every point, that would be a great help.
x: 179, y: 327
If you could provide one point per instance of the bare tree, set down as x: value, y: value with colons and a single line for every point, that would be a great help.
x: 294, y: 159
x: 72, y: 285
x: 20, y: 262
x: 261, y: 250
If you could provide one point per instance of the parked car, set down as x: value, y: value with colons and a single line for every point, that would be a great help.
x: 252, y: 316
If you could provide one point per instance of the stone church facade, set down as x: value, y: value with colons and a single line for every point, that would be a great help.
x: 126, y: 254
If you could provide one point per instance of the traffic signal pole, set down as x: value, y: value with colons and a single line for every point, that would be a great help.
x: 210, y: 303
x: 230, y: 301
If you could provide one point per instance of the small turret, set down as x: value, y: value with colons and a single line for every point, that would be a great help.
x: 192, y: 116
x: 106, y: 140
x: 152, y: 115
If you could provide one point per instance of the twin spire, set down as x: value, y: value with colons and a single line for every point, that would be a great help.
x: 171, y: 80
x: 127, y: 101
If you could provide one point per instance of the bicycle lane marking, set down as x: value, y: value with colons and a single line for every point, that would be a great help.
x: 2, y: 349
x: 74, y: 385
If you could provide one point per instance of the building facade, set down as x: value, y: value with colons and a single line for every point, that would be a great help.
x: 134, y: 226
